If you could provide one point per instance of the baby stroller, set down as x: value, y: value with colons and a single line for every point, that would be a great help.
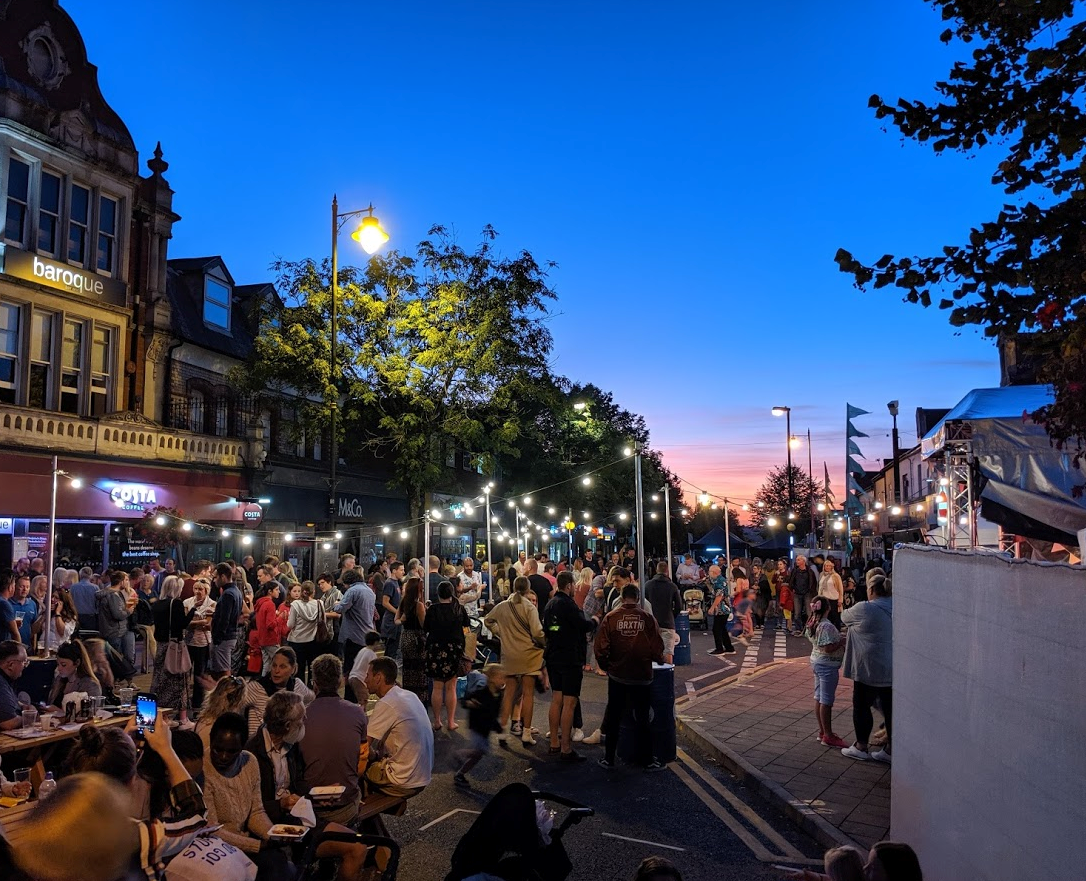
x: 694, y: 602
x: 506, y: 840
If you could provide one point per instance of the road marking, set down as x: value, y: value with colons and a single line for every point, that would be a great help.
x: 780, y: 646
x: 446, y: 816
x: 745, y: 810
x: 750, y: 656
x: 723, y: 669
x: 642, y: 841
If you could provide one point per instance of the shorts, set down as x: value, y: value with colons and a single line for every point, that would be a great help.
x: 566, y: 679
x: 826, y: 678
x: 479, y: 743
x: 671, y: 639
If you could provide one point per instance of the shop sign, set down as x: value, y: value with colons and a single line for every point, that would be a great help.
x: 31, y: 267
x: 6, y: 525
x: 252, y: 514
x: 133, y: 496
x: 349, y: 508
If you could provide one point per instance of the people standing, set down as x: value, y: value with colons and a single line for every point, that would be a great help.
x: 356, y: 608
x: 113, y: 615
x: 391, y: 594
x: 688, y: 572
x: 172, y: 687
x: 784, y: 594
x: 25, y: 608
x: 469, y: 589
x: 328, y: 595
x: 803, y: 583
x: 663, y: 596
x: 721, y: 612
x: 868, y: 662
x: 565, y: 628
x: 198, y: 636
x: 224, y: 620
x: 444, y: 626
x: 266, y: 623
x: 627, y: 644
x: 516, y: 623
x: 827, y: 651
x: 83, y: 594
x: 411, y: 618
x: 832, y: 589
x: 302, y: 620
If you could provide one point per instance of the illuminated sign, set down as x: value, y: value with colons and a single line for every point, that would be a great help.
x: 133, y: 496
x: 5, y: 525
x: 252, y: 514
x: 31, y: 267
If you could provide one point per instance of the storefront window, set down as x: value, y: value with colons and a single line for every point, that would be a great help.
x: 79, y: 225
x: 101, y: 349
x: 49, y: 213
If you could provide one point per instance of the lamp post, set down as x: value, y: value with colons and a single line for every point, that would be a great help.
x: 370, y: 236
x: 667, y: 524
x: 786, y: 412
x: 489, y: 559
x: 893, y: 408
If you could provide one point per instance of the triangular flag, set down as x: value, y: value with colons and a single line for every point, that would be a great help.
x: 852, y: 431
x: 854, y: 486
x: 854, y: 467
x: 854, y: 448
x: 829, y: 492
x: 856, y: 411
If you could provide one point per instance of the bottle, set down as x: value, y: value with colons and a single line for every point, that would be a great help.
x: 48, y: 787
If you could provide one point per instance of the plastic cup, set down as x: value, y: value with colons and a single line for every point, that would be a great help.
x: 125, y: 695
x: 22, y: 775
x: 30, y: 719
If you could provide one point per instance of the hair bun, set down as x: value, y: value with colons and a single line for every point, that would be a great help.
x: 90, y: 738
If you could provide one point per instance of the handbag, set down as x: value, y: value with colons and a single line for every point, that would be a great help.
x: 178, y: 659
x: 323, y: 634
x: 209, y: 858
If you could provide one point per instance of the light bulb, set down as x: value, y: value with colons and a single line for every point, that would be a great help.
x: 587, y: 481
x: 653, y: 515
x: 404, y: 533
x: 160, y: 520
x: 327, y: 546
x: 288, y: 537
x: 527, y: 500
x: 512, y: 503
x: 339, y: 535
x: 187, y: 527
x: 225, y: 533
x: 622, y: 516
x: 386, y: 529
x: 247, y: 540
x: 772, y: 521
x: 77, y: 482
x: 627, y: 451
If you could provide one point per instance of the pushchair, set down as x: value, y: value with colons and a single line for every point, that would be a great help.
x: 506, y: 841
x: 694, y: 602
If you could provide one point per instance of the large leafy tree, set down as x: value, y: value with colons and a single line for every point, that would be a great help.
x: 771, y: 499
x: 438, y: 350
x: 1018, y: 100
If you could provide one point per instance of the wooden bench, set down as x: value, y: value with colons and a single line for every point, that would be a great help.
x: 372, y: 807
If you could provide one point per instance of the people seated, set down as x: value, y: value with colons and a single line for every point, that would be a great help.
x: 228, y: 696
x: 401, y: 754
x: 334, y: 733
x: 74, y: 674
x: 13, y: 661
x: 282, y: 674
x: 357, y: 678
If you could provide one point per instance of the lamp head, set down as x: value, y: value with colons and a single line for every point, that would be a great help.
x: 893, y: 408
x: 369, y: 234
x: 780, y: 411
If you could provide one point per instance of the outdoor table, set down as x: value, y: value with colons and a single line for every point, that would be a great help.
x: 14, y: 817
x: 39, y: 748
x: 37, y: 679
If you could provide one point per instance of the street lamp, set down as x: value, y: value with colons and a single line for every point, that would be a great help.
x: 893, y: 408
x: 786, y: 412
x: 370, y: 236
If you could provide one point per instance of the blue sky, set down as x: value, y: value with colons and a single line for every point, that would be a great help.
x: 692, y: 169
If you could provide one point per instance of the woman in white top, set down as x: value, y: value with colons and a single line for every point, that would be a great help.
x: 198, y: 635
x: 302, y: 622
x: 62, y: 622
x: 831, y: 588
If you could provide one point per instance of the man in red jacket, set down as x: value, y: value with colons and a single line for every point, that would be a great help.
x: 627, y: 643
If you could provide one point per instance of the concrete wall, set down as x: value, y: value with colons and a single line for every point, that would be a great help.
x: 989, y: 773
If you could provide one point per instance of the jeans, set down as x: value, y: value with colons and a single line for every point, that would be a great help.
x: 199, y: 655
x: 306, y: 652
x: 801, y: 608
x: 863, y: 696
x: 126, y: 645
x: 350, y: 652
x: 637, y: 698
x: 392, y: 642
x: 267, y: 652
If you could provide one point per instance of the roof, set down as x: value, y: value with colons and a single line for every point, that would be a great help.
x: 185, y: 289
x: 715, y: 538
x: 1008, y: 402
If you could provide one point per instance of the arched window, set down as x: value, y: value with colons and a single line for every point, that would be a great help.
x: 196, y: 410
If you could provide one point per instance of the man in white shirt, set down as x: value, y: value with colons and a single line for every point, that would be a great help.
x: 470, y: 588
x: 401, y: 737
x: 519, y: 564
x: 361, y: 668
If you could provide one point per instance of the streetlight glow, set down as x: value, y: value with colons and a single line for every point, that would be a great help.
x: 703, y: 499
x: 77, y: 482
x: 288, y: 537
x: 369, y: 234
x: 780, y: 411
x: 587, y: 481
x: 772, y: 521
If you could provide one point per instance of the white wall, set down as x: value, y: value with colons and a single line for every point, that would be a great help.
x: 989, y: 746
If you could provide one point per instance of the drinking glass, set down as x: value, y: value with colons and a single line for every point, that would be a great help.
x: 30, y: 718
x: 22, y: 775
x: 125, y: 696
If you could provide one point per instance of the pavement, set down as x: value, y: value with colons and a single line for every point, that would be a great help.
x: 760, y: 726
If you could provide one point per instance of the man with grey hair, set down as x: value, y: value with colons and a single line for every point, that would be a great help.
x: 83, y: 593
x: 469, y: 587
x: 804, y: 583
x: 334, y: 733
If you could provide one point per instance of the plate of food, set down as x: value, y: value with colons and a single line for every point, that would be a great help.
x: 325, y: 792
x: 286, y: 832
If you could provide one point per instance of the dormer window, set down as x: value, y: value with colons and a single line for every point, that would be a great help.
x: 216, y: 303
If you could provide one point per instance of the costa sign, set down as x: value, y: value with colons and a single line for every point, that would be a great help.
x: 133, y: 496
x: 252, y: 514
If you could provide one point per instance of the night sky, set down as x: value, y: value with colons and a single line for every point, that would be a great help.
x: 691, y: 168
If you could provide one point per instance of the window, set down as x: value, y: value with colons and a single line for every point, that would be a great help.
x: 107, y: 233
x: 79, y: 225
x: 196, y: 411
x: 71, y: 367
x: 18, y: 206
x: 40, y: 392
x: 101, y: 352
x: 49, y: 212
x: 9, y: 351
x: 450, y: 458
x: 216, y: 303
x: 222, y: 417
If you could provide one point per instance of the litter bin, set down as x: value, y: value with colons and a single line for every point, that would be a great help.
x: 682, y: 650
x: 662, y: 726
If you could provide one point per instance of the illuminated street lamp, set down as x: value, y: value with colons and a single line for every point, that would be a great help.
x: 786, y: 412
x: 370, y: 236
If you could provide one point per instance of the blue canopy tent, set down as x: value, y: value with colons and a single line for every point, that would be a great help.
x: 713, y: 543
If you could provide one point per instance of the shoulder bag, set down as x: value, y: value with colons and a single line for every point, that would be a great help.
x: 524, y: 626
x: 323, y: 632
x: 178, y: 660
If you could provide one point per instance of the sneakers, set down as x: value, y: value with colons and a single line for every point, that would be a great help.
x: 593, y: 738
x: 730, y: 652
x: 881, y: 755
x: 716, y: 651
x: 854, y: 752
x: 572, y: 756
x: 527, y: 739
x: 460, y: 780
x: 516, y: 728
x: 578, y: 735
x: 835, y: 741
x: 606, y: 763
x: 654, y: 765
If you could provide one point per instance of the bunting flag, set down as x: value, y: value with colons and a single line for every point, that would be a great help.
x: 829, y: 492
x: 852, y: 431
x: 852, y: 467
x: 854, y: 448
x: 854, y: 487
x: 856, y: 411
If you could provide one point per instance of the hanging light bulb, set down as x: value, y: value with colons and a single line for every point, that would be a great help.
x: 77, y: 483
x: 653, y: 515
x: 655, y: 497
x: 627, y: 451
x: 450, y: 530
x: 622, y: 516
x: 327, y: 546
x: 225, y: 533
x: 247, y: 540
x: 550, y: 511
x: 386, y: 529
x: 512, y: 503
x: 288, y: 537
x: 339, y: 535
x: 404, y: 533
x: 160, y: 520
x: 703, y: 499
x: 186, y: 526
x: 527, y: 500
x: 587, y: 481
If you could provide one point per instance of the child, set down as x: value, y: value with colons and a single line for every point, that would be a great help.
x: 356, y: 678
x: 483, y: 701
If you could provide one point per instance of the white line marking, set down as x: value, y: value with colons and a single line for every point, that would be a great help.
x: 723, y: 669
x: 446, y: 816
x: 689, y: 687
x: 642, y: 841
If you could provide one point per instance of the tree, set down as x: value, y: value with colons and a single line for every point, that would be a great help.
x: 771, y: 499
x: 436, y: 352
x: 1021, y: 94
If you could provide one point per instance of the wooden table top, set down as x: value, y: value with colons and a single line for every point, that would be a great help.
x: 10, y: 744
x: 14, y: 817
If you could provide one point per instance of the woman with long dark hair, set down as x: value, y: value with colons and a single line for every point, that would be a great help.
x: 411, y: 616
x: 444, y: 626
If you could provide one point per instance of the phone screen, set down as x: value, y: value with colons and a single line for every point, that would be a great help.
x: 146, y: 711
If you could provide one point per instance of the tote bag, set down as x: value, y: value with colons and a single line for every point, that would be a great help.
x: 178, y: 660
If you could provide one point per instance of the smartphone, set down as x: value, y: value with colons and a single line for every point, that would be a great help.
x: 146, y: 711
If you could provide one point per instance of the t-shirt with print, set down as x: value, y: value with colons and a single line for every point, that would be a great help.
x: 824, y: 636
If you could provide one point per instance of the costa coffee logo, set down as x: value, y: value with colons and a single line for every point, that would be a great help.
x: 252, y: 514
x: 133, y: 496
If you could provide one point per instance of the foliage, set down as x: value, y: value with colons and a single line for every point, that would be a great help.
x: 436, y: 351
x: 165, y: 536
x: 1020, y: 95
x: 773, y: 499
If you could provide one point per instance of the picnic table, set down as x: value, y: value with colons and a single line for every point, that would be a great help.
x: 39, y: 745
